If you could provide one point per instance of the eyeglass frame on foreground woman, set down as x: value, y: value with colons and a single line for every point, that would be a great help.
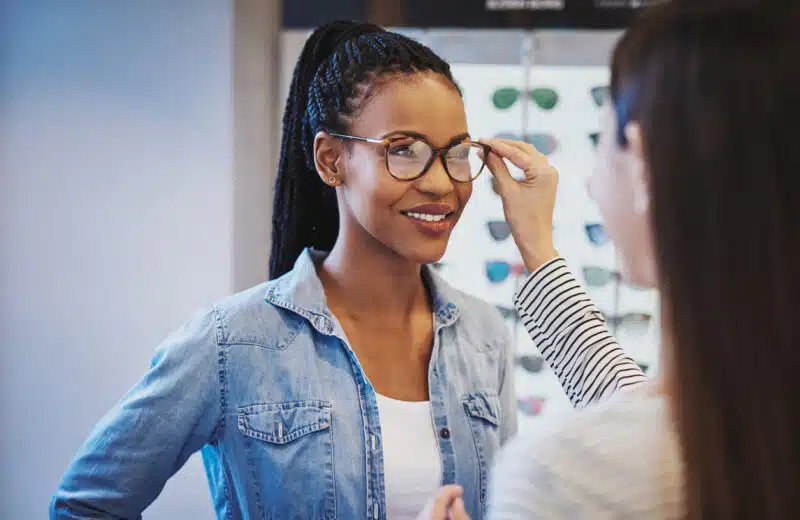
x: 440, y: 152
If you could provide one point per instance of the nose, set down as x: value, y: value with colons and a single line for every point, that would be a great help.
x: 435, y: 181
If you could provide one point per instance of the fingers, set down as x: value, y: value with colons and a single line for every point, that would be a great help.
x: 499, y: 170
x: 523, y: 156
x: 444, y: 500
x: 535, y: 165
x: 458, y: 511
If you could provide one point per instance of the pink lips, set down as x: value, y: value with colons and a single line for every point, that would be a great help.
x: 431, y: 209
x: 428, y: 218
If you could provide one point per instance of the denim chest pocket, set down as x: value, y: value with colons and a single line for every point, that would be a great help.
x: 483, y: 412
x: 289, y: 448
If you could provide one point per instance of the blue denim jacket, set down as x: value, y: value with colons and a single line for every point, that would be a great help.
x: 265, y: 384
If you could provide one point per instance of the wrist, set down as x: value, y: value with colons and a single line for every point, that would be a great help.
x: 535, y: 258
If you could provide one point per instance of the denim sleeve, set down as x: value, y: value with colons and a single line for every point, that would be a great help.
x: 171, y: 412
x: 508, y: 395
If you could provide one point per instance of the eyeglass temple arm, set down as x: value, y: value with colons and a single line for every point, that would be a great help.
x: 354, y: 138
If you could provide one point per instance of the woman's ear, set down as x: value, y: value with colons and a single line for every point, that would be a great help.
x: 328, y: 155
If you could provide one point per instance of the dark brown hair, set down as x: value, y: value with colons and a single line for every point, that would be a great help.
x: 716, y: 91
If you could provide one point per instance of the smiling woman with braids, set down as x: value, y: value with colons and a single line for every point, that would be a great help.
x: 355, y: 383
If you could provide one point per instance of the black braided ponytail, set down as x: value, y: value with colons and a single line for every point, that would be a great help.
x: 338, y: 70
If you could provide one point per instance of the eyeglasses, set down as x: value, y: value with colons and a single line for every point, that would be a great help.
x: 596, y: 234
x: 600, y: 94
x: 410, y: 157
x: 594, y: 137
x: 532, y: 364
x: 544, y: 143
x: 531, y: 405
x: 545, y: 98
x: 633, y: 323
x: 498, y: 271
x: 600, y: 276
x: 498, y: 229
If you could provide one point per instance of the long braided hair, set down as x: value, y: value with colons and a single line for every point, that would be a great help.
x: 341, y: 66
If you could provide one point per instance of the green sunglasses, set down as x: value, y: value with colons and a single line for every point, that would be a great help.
x: 600, y: 94
x: 505, y: 97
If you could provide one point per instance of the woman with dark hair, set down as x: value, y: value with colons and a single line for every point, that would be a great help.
x: 356, y: 382
x: 698, y: 180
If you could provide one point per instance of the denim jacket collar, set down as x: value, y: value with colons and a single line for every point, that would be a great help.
x: 300, y: 291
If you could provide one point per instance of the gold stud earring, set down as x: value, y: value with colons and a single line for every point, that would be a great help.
x: 332, y: 180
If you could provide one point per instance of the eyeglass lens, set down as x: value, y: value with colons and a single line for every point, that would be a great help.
x: 407, y: 158
x: 598, y: 276
x: 499, y: 229
x: 600, y: 95
x: 596, y: 234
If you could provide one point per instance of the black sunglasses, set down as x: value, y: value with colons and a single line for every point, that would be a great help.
x: 530, y: 363
x: 409, y: 157
x: 498, y: 229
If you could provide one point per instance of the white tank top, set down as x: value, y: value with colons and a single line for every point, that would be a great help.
x: 411, y: 461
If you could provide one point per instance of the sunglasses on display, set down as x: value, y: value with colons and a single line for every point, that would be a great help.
x: 596, y: 276
x: 600, y: 94
x: 633, y: 323
x: 596, y: 234
x: 498, y: 271
x: 600, y: 276
x: 509, y: 313
x: 498, y: 229
x: 529, y: 363
x: 544, y: 143
x: 505, y: 97
x: 531, y: 405
x: 409, y: 157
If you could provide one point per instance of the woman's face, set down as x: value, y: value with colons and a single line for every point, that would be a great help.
x: 619, y: 185
x: 413, y: 219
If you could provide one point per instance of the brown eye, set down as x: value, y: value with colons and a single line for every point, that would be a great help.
x: 411, y: 149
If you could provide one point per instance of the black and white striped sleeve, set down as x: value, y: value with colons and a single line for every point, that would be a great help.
x: 572, y: 336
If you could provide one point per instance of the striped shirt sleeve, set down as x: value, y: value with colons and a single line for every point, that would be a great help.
x: 572, y: 336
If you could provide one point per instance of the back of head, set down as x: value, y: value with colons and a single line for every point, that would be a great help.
x: 715, y: 90
x: 341, y: 65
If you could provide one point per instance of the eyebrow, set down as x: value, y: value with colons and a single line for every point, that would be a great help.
x: 410, y: 133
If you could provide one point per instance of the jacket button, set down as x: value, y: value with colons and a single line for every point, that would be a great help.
x: 444, y: 433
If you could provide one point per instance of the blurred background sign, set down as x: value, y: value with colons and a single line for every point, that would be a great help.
x: 478, y: 14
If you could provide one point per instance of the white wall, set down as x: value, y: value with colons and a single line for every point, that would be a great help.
x: 116, y: 217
